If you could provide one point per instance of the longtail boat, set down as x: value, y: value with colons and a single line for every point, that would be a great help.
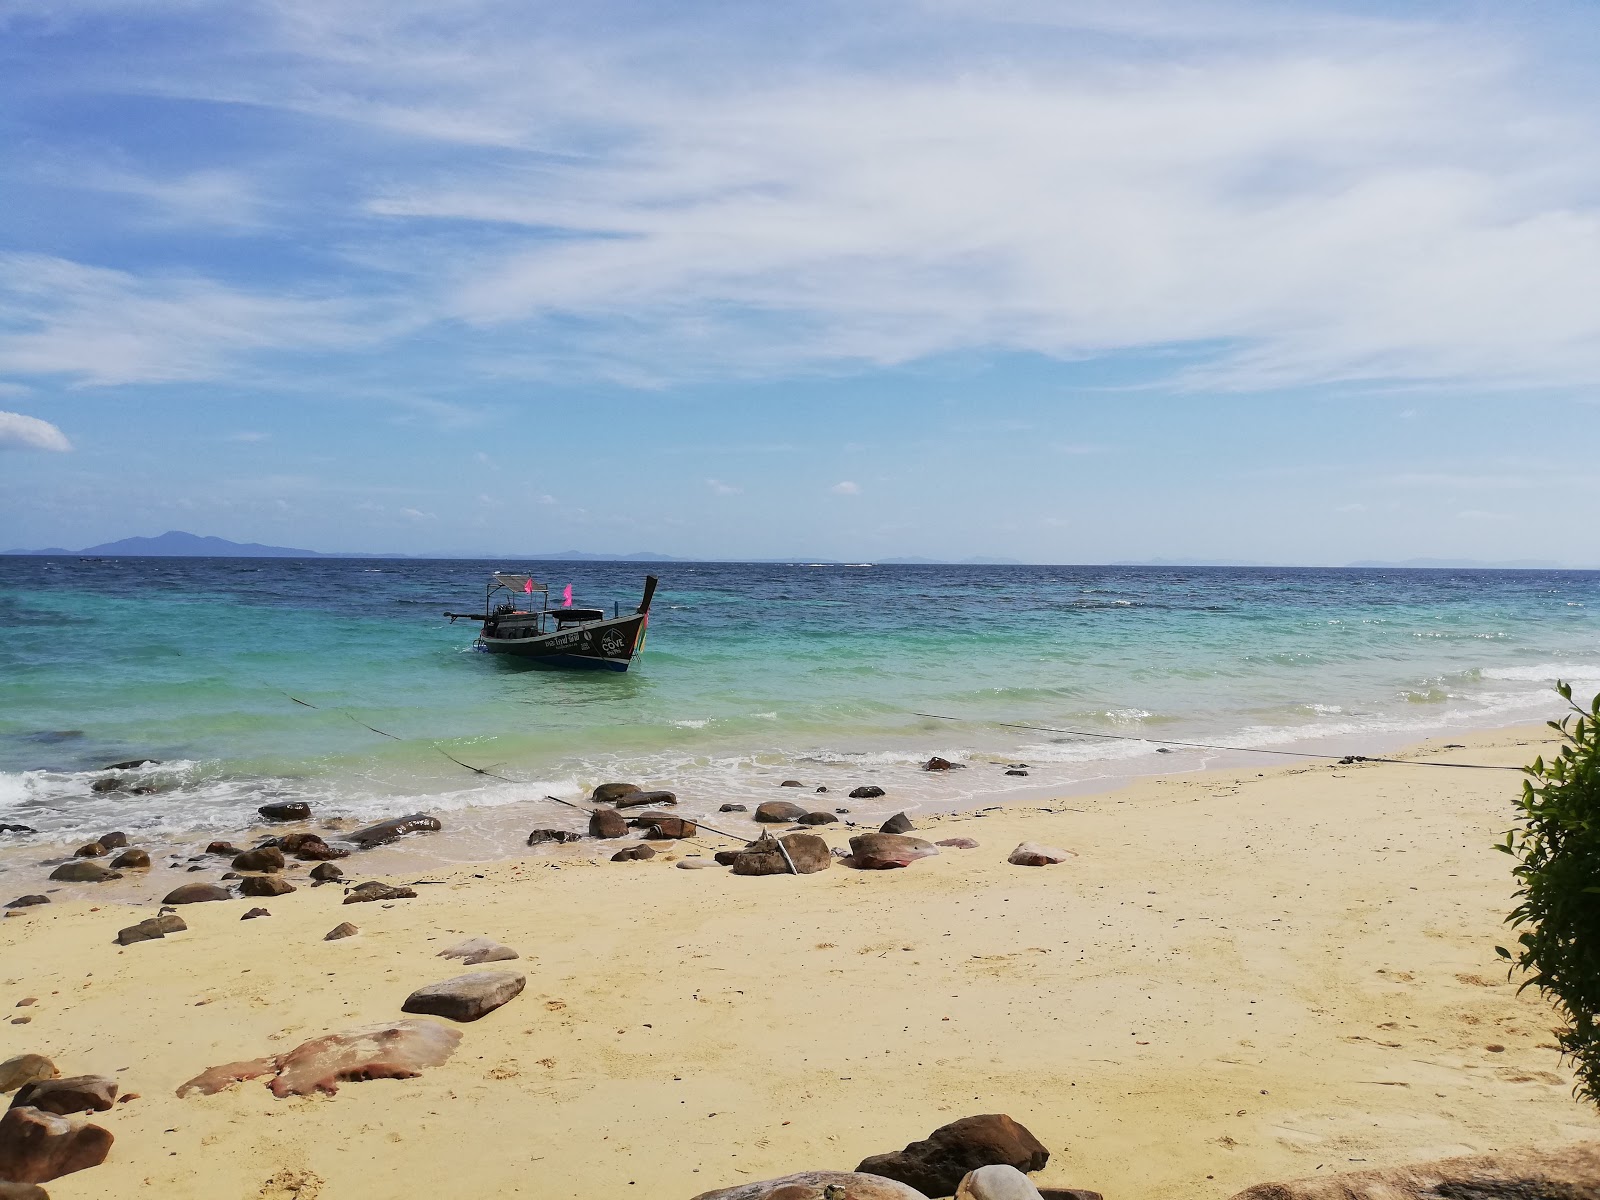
x: 565, y: 636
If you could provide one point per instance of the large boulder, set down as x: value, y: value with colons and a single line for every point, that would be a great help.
x: 610, y: 793
x: 807, y: 851
x: 326, y: 872
x: 818, y: 1185
x: 1032, y: 854
x: 25, y: 1069
x: 131, y: 860
x: 264, y: 858
x: 778, y: 812
x: 36, y: 1147
x: 936, y: 1165
x: 75, y: 1094
x: 466, y: 997
x: 645, y: 799
x: 83, y: 871
x: 885, y: 851
x: 607, y: 823
x: 394, y: 828
x: 1561, y: 1173
x: 197, y: 893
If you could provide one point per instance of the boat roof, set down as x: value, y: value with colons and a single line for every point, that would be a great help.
x: 519, y: 583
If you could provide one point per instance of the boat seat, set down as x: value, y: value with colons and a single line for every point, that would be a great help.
x: 564, y: 616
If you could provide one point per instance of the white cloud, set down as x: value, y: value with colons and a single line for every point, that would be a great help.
x: 416, y: 514
x: 20, y: 432
x: 846, y: 488
x: 723, y: 489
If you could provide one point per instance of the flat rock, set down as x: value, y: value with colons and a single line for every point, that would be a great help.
x: 645, y: 799
x: 4, y: 828
x: 131, y: 860
x: 384, y: 832
x: 326, y: 873
x: 936, y: 1165
x: 669, y: 828
x: 899, y: 823
x: 1000, y: 1181
x: 132, y: 764
x: 479, y: 950
x: 197, y: 893
x: 25, y: 1069
x: 152, y: 928
x: 293, y: 810
x: 791, y: 783
x: 74, y: 1094
x: 610, y: 793
x: 1561, y: 1173
x: 224, y: 848
x: 958, y: 843
x: 607, y: 823
x: 83, y: 871
x: 36, y: 1147
x: 733, y: 808
x: 391, y: 1050
x: 696, y: 864
x: 633, y: 854
x: 367, y: 892
x: 263, y: 858
x: 807, y: 851
x: 818, y: 1185
x: 466, y: 997
x: 1032, y: 854
x: 28, y: 901
x: 265, y: 885
x: 885, y: 851
x: 1017, y: 771
x: 560, y: 836
x: 778, y: 812
x: 342, y: 930
x: 868, y: 791
x: 818, y: 818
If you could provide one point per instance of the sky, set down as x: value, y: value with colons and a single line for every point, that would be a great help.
x: 1059, y: 282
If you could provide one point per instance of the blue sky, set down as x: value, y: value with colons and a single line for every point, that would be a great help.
x: 1063, y: 282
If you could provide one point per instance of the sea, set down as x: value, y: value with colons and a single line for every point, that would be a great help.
x: 341, y: 683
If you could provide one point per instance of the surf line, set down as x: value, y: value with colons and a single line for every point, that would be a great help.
x: 1344, y: 760
x: 507, y: 779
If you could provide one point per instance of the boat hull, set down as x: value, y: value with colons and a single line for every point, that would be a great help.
x: 592, y: 645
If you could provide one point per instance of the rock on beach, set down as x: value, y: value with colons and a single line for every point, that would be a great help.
x: 815, y: 1185
x: 197, y: 893
x: 886, y: 851
x: 265, y: 885
x: 607, y: 823
x: 778, y: 812
x: 899, y: 823
x: 263, y: 858
x: 466, y: 997
x: 153, y: 928
x: 25, y: 1069
x: 1558, y: 1172
x: 373, y: 890
x: 83, y: 871
x: 36, y: 1146
x: 807, y: 851
x: 384, y: 832
x: 74, y: 1094
x: 936, y: 1165
x: 479, y: 950
x: 1032, y: 854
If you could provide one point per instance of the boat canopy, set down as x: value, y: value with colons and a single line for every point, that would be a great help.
x: 520, y: 583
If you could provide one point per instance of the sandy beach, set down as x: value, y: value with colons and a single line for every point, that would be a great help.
x: 1244, y: 975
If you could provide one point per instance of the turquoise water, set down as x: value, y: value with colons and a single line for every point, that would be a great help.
x: 751, y: 674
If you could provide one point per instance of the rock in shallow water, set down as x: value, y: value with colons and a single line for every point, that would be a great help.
x: 466, y: 997
x: 607, y: 823
x: 396, y: 827
x: 391, y: 1050
x: 869, y: 791
x: 610, y: 793
x: 778, y: 812
x: 197, y: 893
x: 645, y: 799
x: 36, y: 1147
x: 131, y: 860
x: 28, y: 901
x: 293, y: 810
x: 936, y: 1165
x: 559, y: 836
x: 83, y: 871
x: 818, y: 1185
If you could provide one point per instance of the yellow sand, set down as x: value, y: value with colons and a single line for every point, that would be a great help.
x: 1242, y: 977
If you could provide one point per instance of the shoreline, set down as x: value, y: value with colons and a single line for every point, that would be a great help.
x: 1244, y: 975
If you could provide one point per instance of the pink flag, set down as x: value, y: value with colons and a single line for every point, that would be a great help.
x: 527, y: 586
x: 566, y: 597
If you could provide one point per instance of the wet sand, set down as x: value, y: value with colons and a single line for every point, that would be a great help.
x: 1244, y: 975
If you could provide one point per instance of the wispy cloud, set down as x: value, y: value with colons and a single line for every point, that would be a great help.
x: 21, y: 432
x: 719, y: 488
x: 846, y: 488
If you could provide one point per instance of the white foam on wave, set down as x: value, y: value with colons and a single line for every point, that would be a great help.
x: 1546, y: 673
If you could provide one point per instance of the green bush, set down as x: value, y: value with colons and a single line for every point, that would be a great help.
x: 1557, y: 848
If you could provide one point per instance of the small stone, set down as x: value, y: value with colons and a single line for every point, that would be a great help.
x: 791, y: 783
x: 885, y: 851
x: 326, y: 873
x: 82, y: 871
x: 821, y: 789
x: 151, y: 929
x: 92, y: 850
x: 1032, y: 854
x: 1016, y: 771
x: 867, y: 792
x: 225, y: 848
x: 778, y: 812
x: 197, y: 893
x: 958, y: 843
x: 818, y: 818
x: 24, y: 1069
x: 479, y: 950
x: 21, y: 1020
x: 466, y: 997
x: 941, y: 764
x: 610, y: 793
x: 293, y: 810
x: 607, y: 823
x: 733, y: 808
x: 899, y: 823
x: 342, y: 930
x: 131, y: 860
x: 78, y: 1093
x: 367, y: 892
x: 560, y: 836
x: 27, y: 1002
x: 633, y: 854
x: 264, y: 858
x: 28, y: 901
x: 254, y: 913
x: 36, y: 1147
x: 265, y: 885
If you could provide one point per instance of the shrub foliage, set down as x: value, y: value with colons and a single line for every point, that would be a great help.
x: 1557, y: 847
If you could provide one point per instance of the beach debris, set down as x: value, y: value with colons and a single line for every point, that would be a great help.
x: 89, y: 850
x: 131, y: 860
x: 4, y: 828
x: 292, y: 810
x: 1032, y: 854
x: 224, y: 848
x: 265, y: 885
x: 778, y: 812
x: 633, y: 854
x: 835, y: 1185
x: 660, y: 826
x: 885, y: 851
x: 807, y: 851
x: 390, y: 1050
x: 342, y: 930
x: 133, y: 764
x: 936, y: 1165
x: 791, y: 783
x: 942, y: 764
x: 24, y: 1069
x: 367, y: 892
x: 645, y: 799
x: 479, y: 950
x: 1016, y: 771
x: 36, y: 1146
x: 958, y: 843
x: 262, y: 858
x: 610, y: 793
x: 1564, y: 1171
x: 733, y: 808
x: 74, y: 1094
x: 254, y: 913
x: 385, y: 832
x: 83, y: 871
x: 899, y: 823
x: 152, y: 928
x: 560, y: 836
x: 326, y: 873
x: 607, y: 823
x: 466, y: 997
x: 870, y: 791
x: 695, y: 864
x: 197, y: 893
x: 818, y: 818
x: 28, y: 901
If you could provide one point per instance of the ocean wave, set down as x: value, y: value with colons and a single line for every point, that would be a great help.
x: 1546, y: 673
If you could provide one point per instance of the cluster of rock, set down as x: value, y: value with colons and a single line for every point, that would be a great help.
x: 46, y: 1132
